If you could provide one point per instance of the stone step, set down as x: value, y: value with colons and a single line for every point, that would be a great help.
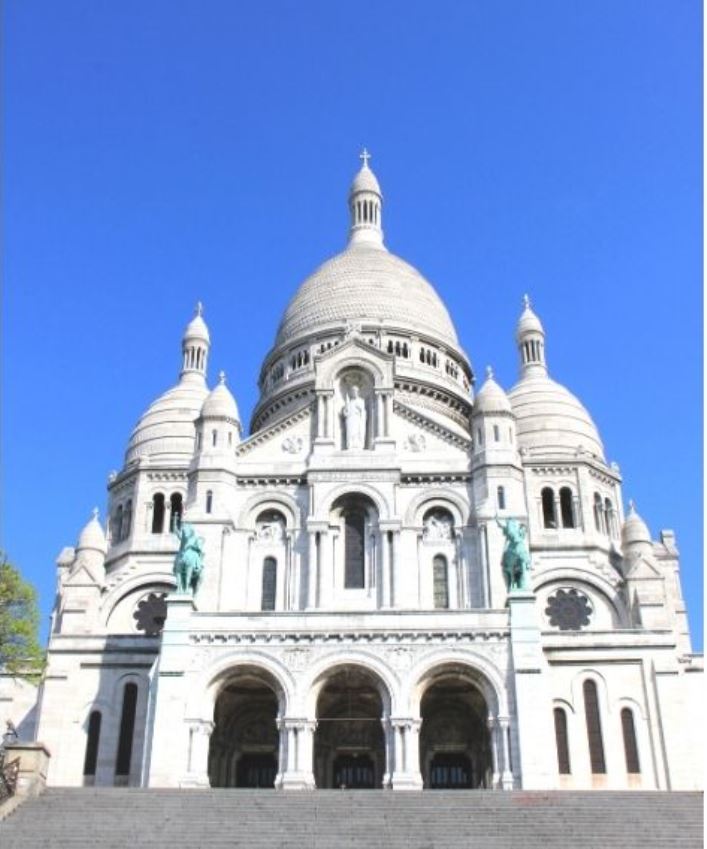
x: 211, y: 819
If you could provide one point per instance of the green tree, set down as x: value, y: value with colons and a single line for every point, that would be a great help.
x: 20, y: 652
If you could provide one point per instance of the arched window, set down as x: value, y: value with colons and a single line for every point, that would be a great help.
x: 157, y: 513
x: 440, y: 581
x: 549, y: 515
x: 267, y: 601
x: 175, y: 518
x: 593, y: 718
x: 609, y: 516
x: 127, y: 520
x: 118, y: 524
x: 209, y: 500
x: 598, y: 513
x: 496, y: 433
x: 630, y: 745
x: 94, y: 733
x: 562, y: 742
x: 354, y: 548
x: 566, y: 507
x: 127, y: 728
x: 501, y: 498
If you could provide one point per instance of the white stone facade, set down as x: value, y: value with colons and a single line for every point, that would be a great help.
x: 353, y: 625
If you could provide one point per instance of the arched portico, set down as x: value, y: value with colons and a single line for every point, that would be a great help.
x: 352, y: 706
x: 244, y: 749
x: 463, y: 724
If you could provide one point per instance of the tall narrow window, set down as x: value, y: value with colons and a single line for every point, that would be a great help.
x: 209, y: 501
x: 562, y: 741
x: 354, y: 547
x: 127, y: 520
x: 92, y: 738
x: 440, y: 581
x: 267, y: 601
x: 549, y: 515
x: 175, y: 519
x: 591, y: 712
x: 118, y: 524
x: 630, y: 745
x: 214, y: 437
x: 127, y: 727
x: 566, y: 507
x: 598, y: 513
x: 609, y: 516
x: 158, y: 513
x: 496, y: 433
x: 501, y: 498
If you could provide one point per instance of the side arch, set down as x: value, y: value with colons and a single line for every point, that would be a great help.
x: 263, y: 501
x: 445, y: 498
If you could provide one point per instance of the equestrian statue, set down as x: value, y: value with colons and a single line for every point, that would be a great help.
x: 189, y: 560
x: 516, y: 557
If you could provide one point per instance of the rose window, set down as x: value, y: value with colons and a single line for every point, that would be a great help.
x: 150, y: 614
x: 568, y: 610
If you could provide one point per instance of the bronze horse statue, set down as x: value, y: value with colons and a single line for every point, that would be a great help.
x: 189, y: 560
x: 516, y: 557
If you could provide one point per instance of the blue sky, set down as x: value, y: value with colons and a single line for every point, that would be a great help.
x: 159, y: 152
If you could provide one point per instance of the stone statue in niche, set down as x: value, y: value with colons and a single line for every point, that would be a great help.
x: 270, y: 530
x: 354, y: 414
x: 437, y: 527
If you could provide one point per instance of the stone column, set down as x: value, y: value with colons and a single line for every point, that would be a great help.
x: 389, y: 746
x: 491, y: 725
x: 395, y: 569
x: 379, y: 415
x: 198, y: 759
x: 312, y: 572
x: 384, y: 590
x: 507, y: 774
x: 296, y: 770
x: 406, y: 775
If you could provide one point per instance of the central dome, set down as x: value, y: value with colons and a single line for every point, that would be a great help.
x: 366, y: 283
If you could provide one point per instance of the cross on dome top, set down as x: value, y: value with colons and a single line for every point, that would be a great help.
x: 364, y: 156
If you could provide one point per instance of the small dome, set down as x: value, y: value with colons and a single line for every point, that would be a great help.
x: 197, y: 329
x: 220, y: 403
x: 550, y: 420
x: 491, y: 398
x: 365, y: 181
x: 634, y: 529
x: 528, y: 322
x: 166, y: 429
x: 92, y: 536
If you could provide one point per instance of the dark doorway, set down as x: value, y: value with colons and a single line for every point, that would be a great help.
x: 256, y: 771
x: 354, y: 772
x: 450, y: 772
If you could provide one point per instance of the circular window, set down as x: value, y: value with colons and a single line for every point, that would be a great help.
x: 150, y: 614
x: 568, y: 610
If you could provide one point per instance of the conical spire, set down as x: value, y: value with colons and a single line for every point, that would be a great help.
x: 195, y: 347
x: 366, y: 206
x: 530, y: 337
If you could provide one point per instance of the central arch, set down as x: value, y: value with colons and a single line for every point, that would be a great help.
x: 244, y: 745
x: 349, y: 743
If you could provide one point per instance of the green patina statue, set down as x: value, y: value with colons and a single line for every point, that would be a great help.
x: 516, y: 557
x: 189, y: 560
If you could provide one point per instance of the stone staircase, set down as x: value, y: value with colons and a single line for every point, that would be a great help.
x: 336, y: 819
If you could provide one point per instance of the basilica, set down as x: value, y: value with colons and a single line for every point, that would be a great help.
x: 353, y: 625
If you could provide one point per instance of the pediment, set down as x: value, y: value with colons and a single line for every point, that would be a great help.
x: 287, y: 439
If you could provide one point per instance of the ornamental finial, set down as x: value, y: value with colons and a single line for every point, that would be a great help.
x: 489, y: 373
x: 199, y: 308
x: 526, y: 302
x: 631, y: 505
x: 365, y: 156
x: 222, y: 377
x: 94, y: 513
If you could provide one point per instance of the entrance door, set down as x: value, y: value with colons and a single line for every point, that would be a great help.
x: 450, y: 772
x: 256, y: 771
x: 354, y: 772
